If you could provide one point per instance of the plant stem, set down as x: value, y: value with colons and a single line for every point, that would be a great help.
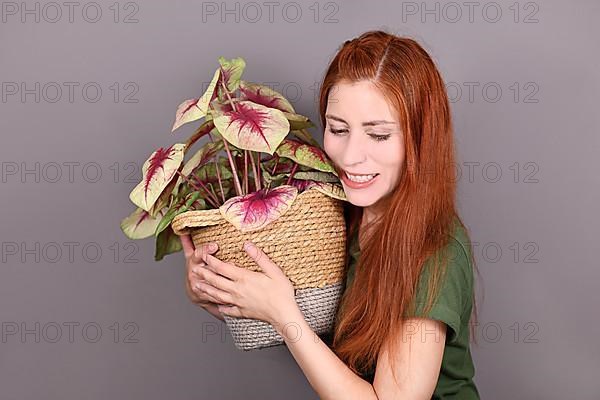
x: 213, y: 197
x: 292, y: 174
x: 201, y: 131
x: 199, y: 189
x: 274, y: 169
x: 276, y: 162
x: 245, y: 171
x: 256, y: 181
x: 213, y: 191
x: 259, y: 170
x: 236, y: 179
x: 219, y: 177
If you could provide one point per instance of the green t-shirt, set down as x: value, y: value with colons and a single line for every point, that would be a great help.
x: 453, y: 307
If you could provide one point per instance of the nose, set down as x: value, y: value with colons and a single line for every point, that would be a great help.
x: 355, y: 151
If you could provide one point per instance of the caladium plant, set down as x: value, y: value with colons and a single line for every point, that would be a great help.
x: 258, y: 158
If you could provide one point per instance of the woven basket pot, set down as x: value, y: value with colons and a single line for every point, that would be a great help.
x: 307, y: 242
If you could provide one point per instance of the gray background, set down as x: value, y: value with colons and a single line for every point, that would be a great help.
x: 527, y: 158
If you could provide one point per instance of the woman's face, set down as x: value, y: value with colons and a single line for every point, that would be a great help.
x: 363, y: 137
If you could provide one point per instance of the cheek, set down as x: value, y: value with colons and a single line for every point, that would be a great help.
x: 329, y: 147
x: 392, y: 159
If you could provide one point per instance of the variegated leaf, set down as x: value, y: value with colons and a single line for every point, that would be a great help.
x: 157, y: 172
x: 194, y: 109
x: 232, y: 72
x: 261, y: 94
x: 258, y: 209
x: 139, y: 224
x: 253, y: 127
x: 304, y: 154
x: 204, y: 155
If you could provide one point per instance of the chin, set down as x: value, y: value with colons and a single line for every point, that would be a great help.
x: 360, y: 201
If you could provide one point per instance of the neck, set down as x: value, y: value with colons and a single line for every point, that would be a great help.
x: 368, y: 218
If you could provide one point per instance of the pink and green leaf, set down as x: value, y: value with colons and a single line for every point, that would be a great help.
x: 140, y: 224
x: 282, y: 165
x: 203, y: 156
x: 253, y: 127
x: 304, y: 154
x: 231, y: 72
x: 166, y: 198
x: 298, y: 122
x: 206, y: 128
x: 264, y: 95
x: 301, y: 185
x: 256, y: 210
x: 157, y: 173
x: 194, y: 109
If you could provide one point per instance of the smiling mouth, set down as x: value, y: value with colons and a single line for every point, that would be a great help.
x: 362, y: 178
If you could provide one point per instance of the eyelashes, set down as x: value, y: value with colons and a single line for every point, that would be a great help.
x: 377, y: 138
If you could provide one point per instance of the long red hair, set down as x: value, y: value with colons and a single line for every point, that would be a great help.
x: 417, y: 218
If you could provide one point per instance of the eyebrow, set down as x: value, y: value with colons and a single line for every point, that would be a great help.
x: 368, y: 123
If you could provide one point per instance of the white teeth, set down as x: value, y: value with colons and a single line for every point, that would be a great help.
x: 361, y: 178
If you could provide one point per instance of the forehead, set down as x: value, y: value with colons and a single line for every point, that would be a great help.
x: 358, y: 101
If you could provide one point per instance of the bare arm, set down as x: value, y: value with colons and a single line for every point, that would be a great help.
x: 326, y: 373
x: 333, y: 380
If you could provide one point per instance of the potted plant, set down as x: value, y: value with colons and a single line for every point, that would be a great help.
x: 260, y: 176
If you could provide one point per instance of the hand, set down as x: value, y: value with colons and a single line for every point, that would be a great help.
x: 193, y: 261
x: 267, y: 295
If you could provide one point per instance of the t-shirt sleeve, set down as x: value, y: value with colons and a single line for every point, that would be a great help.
x: 453, y: 294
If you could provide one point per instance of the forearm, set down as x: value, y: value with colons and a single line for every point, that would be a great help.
x: 327, y: 374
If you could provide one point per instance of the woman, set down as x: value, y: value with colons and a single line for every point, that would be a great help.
x: 402, y: 329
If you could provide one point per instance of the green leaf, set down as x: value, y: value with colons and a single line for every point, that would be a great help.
x: 298, y: 122
x: 177, y: 209
x: 317, y: 176
x: 167, y: 242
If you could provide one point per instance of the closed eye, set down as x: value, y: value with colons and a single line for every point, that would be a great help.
x: 380, y: 138
x: 377, y: 138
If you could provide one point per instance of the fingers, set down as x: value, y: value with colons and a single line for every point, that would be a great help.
x: 229, y: 271
x: 200, y: 296
x: 207, y: 248
x: 194, y: 259
x: 262, y: 260
x: 187, y: 244
x: 210, y: 292
x: 214, y: 279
